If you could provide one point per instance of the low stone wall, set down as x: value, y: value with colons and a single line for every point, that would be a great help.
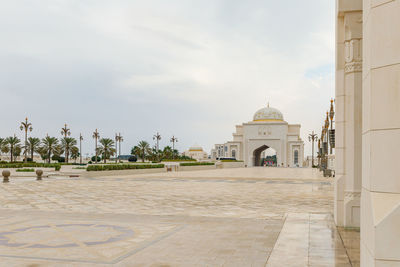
x: 196, y: 168
x: 122, y: 172
x: 14, y: 173
x: 228, y: 165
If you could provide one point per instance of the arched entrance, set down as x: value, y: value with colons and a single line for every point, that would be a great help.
x: 265, y: 155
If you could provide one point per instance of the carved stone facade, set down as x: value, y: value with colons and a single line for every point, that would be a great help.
x: 368, y: 126
x: 353, y: 55
x: 348, y: 114
x: 268, y: 129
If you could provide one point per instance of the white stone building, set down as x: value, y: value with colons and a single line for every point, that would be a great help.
x: 267, y: 130
x: 367, y: 182
x: 196, y: 152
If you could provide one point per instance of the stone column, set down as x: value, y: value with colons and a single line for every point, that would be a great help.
x: 380, y: 201
x: 348, y: 113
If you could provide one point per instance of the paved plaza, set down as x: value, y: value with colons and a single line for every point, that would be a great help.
x: 227, y: 217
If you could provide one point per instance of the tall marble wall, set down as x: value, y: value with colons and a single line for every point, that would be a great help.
x: 348, y: 112
x: 380, y: 200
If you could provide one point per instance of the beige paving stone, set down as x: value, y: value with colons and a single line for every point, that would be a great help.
x: 200, y: 218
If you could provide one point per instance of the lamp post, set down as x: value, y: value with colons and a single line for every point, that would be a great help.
x: 65, y: 131
x: 80, y: 148
x: 325, y: 146
x: 25, y: 125
x: 319, y: 153
x: 327, y: 130
x: 118, y: 140
x: 96, y: 135
x: 173, y: 141
x: 332, y: 131
x: 157, y: 137
x: 312, y: 137
x: 323, y: 149
x: 116, y: 148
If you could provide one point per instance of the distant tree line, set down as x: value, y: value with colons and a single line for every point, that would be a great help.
x: 51, y: 148
x: 143, y: 151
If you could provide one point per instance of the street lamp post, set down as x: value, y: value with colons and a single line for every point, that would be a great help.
x: 116, y: 148
x: 96, y: 135
x: 173, y: 141
x: 80, y: 148
x: 25, y: 125
x: 327, y: 130
x: 312, y: 137
x: 319, y: 153
x: 119, y: 138
x: 323, y: 148
x: 157, y: 137
x: 65, y: 131
x: 332, y: 131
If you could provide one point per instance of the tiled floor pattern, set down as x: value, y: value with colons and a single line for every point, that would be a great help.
x: 351, y: 240
x: 172, y: 221
x: 309, y: 240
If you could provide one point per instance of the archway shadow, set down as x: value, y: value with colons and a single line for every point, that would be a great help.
x: 257, y: 155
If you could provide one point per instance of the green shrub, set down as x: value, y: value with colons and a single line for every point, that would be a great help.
x: 196, y: 163
x: 79, y: 168
x: 115, y: 167
x: 178, y: 160
x: 14, y: 165
x: 93, y: 159
x: 25, y: 170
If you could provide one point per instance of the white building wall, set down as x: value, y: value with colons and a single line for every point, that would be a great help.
x: 253, y: 135
x: 380, y: 200
x: 348, y: 113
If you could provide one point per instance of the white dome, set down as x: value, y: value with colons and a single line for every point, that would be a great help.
x: 268, y: 114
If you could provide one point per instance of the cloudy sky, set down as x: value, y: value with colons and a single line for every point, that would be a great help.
x: 192, y: 69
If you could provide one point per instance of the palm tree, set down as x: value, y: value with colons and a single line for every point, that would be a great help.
x: 67, y: 143
x: 33, y: 145
x: 43, y: 153
x: 2, y: 145
x: 142, y: 150
x: 13, y: 143
x: 167, y: 153
x: 17, y: 151
x: 96, y: 136
x: 106, y: 148
x: 50, y: 145
x: 75, y: 153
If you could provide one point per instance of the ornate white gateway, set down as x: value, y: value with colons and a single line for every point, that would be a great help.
x: 267, y: 130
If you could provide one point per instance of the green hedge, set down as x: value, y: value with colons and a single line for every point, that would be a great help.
x: 25, y: 170
x: 231, y: 160
x: 178, y: 160
x: 116, y: 167
x: 57, y: 166
x: 196, y: 163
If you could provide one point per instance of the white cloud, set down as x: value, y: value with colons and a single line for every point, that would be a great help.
x: 189, y: 68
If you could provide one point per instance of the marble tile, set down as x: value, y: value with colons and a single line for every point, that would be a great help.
x: 241, y: 217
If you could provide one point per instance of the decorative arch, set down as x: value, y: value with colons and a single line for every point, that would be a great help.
x: 257, y: 154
